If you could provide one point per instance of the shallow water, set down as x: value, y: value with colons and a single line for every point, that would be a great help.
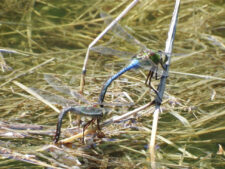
x: 191, y: 125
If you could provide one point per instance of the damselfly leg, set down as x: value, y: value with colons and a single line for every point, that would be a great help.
x: 149, y: 79
x: 92, y: 121
x: 88, y: 124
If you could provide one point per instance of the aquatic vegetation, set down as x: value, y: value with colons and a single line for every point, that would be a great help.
x: 51, y: 37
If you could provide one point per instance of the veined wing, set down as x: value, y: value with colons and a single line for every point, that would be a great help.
x: 109, y: 51
x: 147, y: 65
x: 60, y: 100
x: 55, y: 99
x: 59, y: 86
x: 120, y: 32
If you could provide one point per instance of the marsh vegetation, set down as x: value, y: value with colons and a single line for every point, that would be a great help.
x: 51, y: 37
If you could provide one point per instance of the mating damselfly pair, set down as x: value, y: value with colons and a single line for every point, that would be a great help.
x: 146, y: 58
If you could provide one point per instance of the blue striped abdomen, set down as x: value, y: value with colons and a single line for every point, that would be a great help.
x: 134, y: 64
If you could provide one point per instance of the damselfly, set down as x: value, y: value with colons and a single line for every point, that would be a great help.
x: 89, y: 109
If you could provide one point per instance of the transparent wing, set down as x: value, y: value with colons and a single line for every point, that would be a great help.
x: 109, y: 51
x: 120, y: 32
x: 59, y: 86
x: 55, y: 99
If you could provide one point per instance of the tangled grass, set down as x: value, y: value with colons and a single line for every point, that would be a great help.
x: 52, y: 37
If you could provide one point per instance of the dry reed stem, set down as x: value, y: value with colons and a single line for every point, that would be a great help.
x: 63, y: 30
